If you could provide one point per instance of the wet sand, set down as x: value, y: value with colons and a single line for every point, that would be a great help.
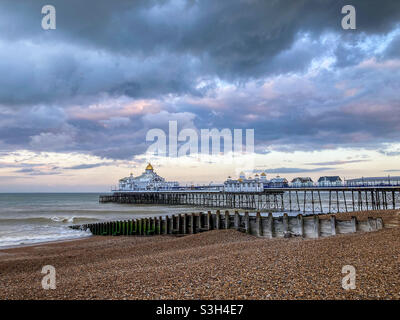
x: 212, y: 265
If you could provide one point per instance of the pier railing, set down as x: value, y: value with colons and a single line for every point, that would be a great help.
x: 261, y: 226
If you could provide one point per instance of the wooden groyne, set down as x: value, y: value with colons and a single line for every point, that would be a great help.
x: 262, y: 226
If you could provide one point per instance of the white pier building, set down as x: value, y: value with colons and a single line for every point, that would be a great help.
x: 149, y: 180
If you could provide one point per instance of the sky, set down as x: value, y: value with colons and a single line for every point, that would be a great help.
x: 77, y: 102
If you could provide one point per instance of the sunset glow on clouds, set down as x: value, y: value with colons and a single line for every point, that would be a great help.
x: 76, y: 103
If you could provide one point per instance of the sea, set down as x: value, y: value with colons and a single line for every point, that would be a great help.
x: 29, y: 218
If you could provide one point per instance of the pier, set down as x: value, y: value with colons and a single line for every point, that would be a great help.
x: 262, y: 226
x: 306, y: 200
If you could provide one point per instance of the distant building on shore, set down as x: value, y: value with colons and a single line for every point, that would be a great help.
x: 148, y: 180
x: 374, y: 181
x: 330, y: 181
x: 302, y: 182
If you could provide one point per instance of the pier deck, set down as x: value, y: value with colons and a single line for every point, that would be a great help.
x: 306, y: 200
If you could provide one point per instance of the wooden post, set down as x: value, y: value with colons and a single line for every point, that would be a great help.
x: 259, y: 224
x: 218, y: 220
x: 271, y: 224
x: 172, y: 224
x: 227, y: 222
x: 247, y: 222
x: 197, y: 222
x: 160, y: 224
x: 379, y: 223
x: 316, y: 226
x: 166, y: 225
x: 285, y: 221
x: 201, y: 220
x: 300, y: 223
x: 178, y: 224
x: 333, y: 226
x: 140, y: 225
x: 153, y: 227
x: 192, y: 222
x: 209, y: 220
x: 237, y: 220
x: 184, y: 224
x: 371, y: 224
x: 354, y: 224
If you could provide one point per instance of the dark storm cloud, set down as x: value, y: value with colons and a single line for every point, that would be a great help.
x: 178, y: 52
x: 234, y: 40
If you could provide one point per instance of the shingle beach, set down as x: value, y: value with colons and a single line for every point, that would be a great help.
x: 223, y: 264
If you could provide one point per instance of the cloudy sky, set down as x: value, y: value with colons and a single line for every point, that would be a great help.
x: 76, y: 102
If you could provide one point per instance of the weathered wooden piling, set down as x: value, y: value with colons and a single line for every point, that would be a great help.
x: 285, y: 222
x: 316, y: 226
x: 218, y: 220
x: 333, y: 225
x: 237, y: 220
x: 259, y: 224
x: 185, y: 223
x: 284, y: 226
x: 246, y: 222
x: 192, y: 224
x: 271, y: 224
x: 300, y: 224
x: 354, y: 224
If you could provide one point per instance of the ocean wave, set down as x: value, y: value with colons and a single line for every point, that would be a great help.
x: 48, y: 236
x: 44, y: 220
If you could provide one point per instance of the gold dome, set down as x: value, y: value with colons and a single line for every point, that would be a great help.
x: 240, y: 179
x: 263, y: 174
x: 149, y: 167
